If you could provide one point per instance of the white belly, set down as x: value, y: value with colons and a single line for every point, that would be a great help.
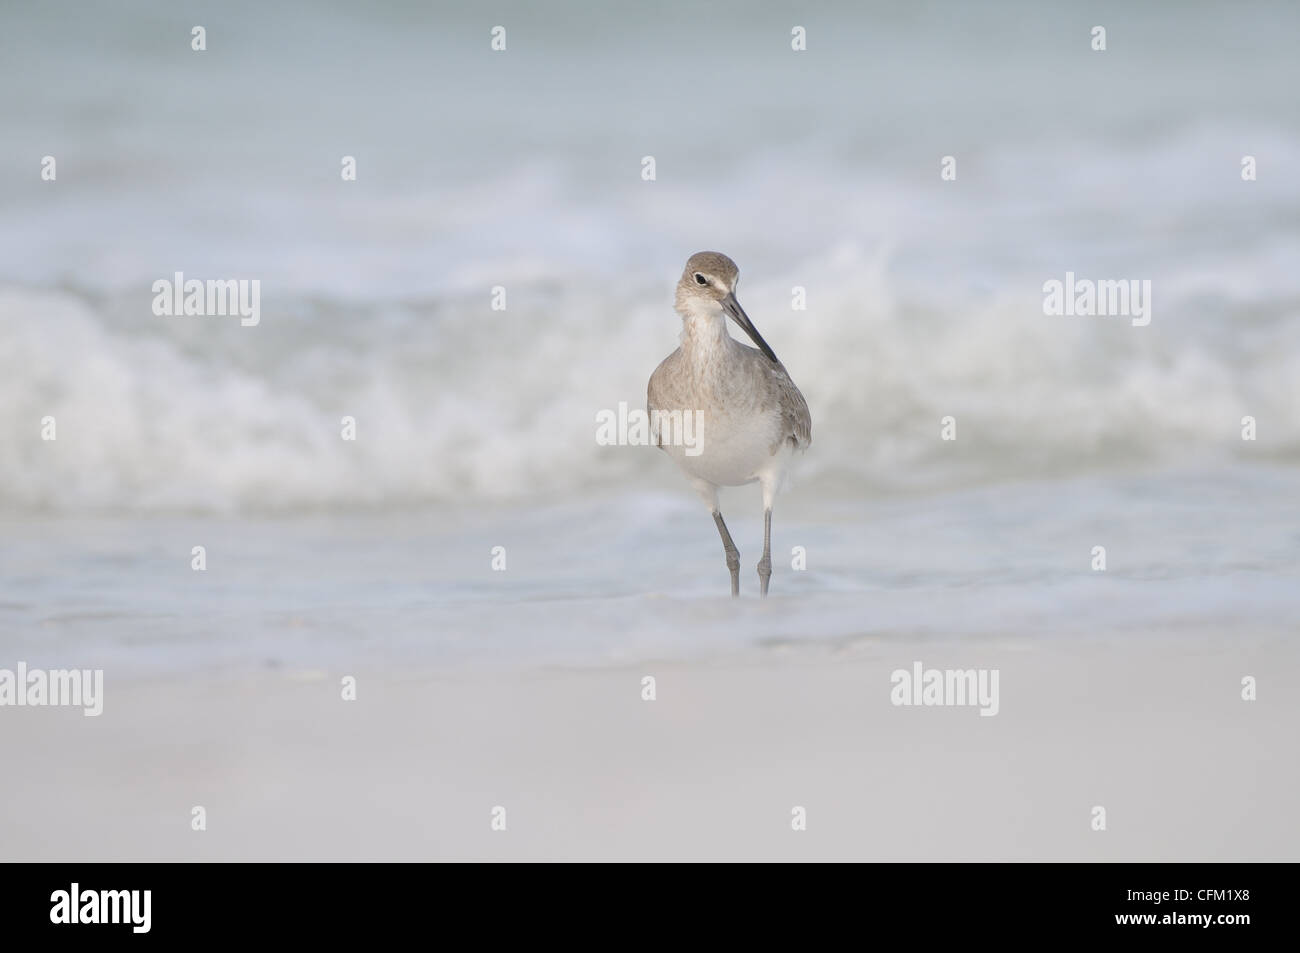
x: 730, y: 451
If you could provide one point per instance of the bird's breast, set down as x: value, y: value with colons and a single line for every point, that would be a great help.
x: 735, y: 426
x: 727, y: 448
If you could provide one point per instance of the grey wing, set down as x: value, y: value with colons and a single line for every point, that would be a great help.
x: 795, y: 417
x: 658, y: 393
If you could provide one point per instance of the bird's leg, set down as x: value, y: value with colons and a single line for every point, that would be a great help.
x: 733, y: 554
x: 765, y: 564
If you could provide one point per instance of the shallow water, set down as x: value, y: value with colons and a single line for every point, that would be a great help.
x: 623, y: 578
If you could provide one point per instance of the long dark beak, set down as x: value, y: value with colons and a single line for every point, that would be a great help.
x: 738, y: 315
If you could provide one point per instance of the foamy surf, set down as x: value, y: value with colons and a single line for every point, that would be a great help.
x: 188, y: 414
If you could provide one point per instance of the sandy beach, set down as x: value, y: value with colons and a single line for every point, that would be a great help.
x: 710, y: 770
x: 522, y: 689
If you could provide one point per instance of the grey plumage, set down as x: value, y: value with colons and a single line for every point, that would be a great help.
x: 752, y: 416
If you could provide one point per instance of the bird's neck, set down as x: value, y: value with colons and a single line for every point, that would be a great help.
x: 704, y: 332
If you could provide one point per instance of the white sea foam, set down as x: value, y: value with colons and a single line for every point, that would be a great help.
x: 924, y: 296
x: 454, y: 402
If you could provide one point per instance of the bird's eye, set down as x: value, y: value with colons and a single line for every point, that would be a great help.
x: 700, y: 279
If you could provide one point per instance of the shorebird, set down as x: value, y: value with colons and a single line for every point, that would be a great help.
x: 751, y: 417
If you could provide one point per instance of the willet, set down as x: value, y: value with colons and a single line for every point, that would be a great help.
x: 751, y: 416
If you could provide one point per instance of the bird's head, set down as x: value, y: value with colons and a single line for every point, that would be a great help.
x: 708, y: 289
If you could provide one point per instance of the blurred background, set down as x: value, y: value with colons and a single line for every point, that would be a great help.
x: 522, y: 169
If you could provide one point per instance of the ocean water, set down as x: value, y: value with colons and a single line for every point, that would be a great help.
x: 522, y: 169
x: 1192, y: 559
